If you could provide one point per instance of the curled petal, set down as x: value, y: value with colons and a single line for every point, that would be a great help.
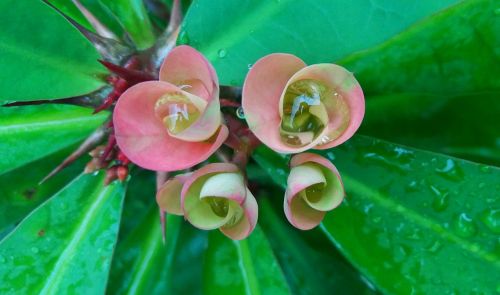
x: 247, y: 223
x: 345, y: 107
x: 314, y: 188
x: 144, y: 139
x: 262, y: 90
x: 168, y: 196
x: 186, y: 67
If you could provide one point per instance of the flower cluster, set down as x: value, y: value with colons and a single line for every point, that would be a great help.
x: 176, y: 123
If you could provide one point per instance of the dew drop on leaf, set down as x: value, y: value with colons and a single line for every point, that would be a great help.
x: 464, y: 226
x: 221, y: 53
x: 491, y: 218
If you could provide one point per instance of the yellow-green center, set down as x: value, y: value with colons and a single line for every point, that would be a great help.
x: 176, y: 111
x: 220, y: 207
x: 314, y: 193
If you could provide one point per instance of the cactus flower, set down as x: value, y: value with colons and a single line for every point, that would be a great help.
x: 292, y: 107
x: 173, y: 123
x: 314, y: 188
x: 215, y: 196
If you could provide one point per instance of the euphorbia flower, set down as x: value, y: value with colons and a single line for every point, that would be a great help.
x: 292, y: 107
x: 215, y: 196
x: 314, y: 188
x: 173, y: 123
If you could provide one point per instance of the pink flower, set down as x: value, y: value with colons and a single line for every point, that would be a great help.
x: 292, y: 107
x: 173, y: 123
x: 212, y: 197
x: 314, y: 188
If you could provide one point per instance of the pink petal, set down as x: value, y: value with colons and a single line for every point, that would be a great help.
x: 246, y: 225
x: 300, y: 214
x: 184, y: 65
x: 262, y: 90
x: 143, y: 137
x: 169, y: 195
x: 344, y: 83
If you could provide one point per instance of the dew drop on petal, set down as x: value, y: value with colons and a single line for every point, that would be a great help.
x: 176, y: 111
x: 304, y: 115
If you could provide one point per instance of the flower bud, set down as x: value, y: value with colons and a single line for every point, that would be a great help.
x: 314, y: 188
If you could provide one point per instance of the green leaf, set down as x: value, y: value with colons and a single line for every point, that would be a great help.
x: 421, y: 60
x: 414, y: 221
x: 437, y: 93
x: 42, y: 55
x: 20, y: 192
x: 144, y: 265
x: 29, y: 133
x: 134, y: 18
x: 464, y: 126
x: 139, y: 199
x: 234, y: 34
x: 303, y: 253
x: 65, y: 245
x: 242, y: 267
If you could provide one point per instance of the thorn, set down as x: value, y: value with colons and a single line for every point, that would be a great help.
x: 175, y: 17
x: 108, y: 149
x: 99, y: 27
x: 131, y: 76
x: 91, y: 141
x: 109, y: 48
x: 122, y: 172
x: 163, y: 222
x: 111, y: 175
x: 91, y: 100
x: 167, y: 40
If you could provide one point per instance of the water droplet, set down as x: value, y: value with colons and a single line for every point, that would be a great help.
x: 304, y: 114
x: 183, y: 38
x: 34, y: 250
x: 484, y: 168
x: 2, y: 259
x: 491, y: 218
x: 411, y: 187
x: 280, y: 172
x: 330, y: 156
x: 249, y: 66
x: 464, y: 226
x: 441, y: 200
x: 176, y: 111
x: 451, y: 171
x: 376, y: 219
x: 482, y: 185
x: 434, y: 247
x: 497, y: 12
x: 221, y: 53
x: 239, y: 113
